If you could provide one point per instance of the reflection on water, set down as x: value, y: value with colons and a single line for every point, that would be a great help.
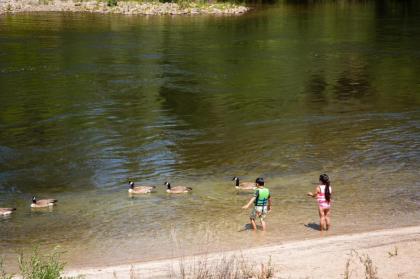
x: 353, y: 82
x: 285, y: 92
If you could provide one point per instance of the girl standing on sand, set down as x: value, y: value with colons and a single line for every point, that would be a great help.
x: 323, y: 195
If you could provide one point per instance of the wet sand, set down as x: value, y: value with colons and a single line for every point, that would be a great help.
x: 395, y: 253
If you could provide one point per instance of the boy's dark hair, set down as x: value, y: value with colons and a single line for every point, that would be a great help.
x: 260, y: 181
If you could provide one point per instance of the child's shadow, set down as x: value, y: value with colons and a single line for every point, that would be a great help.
x: 313, y: 226
x: 248, y: 227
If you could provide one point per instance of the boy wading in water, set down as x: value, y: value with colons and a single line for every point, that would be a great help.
x: 262, y: 204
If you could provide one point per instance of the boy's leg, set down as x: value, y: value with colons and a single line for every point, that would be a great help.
x: 263, y: 224
x: 262, y: 215
x: 252, y: 218
x: 254, y: 225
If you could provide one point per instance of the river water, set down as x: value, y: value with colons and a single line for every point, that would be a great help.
x: 287, y: 91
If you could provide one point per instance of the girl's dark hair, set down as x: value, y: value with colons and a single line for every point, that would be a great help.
x: 326, y: 181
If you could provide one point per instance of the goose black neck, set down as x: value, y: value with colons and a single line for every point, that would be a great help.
x: 237, y: 182
x: 169, y: 185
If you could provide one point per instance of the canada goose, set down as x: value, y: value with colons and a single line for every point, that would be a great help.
x: 177, y: 189
x: 139, y: 189
x: 244, y: 185
x: 6, y: 211
x: 42, y: 203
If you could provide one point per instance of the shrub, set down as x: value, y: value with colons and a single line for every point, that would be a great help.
x: 38, y: 267
x: 112, y: 3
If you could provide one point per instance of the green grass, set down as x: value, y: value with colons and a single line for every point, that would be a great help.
x: 36, y: 266
x: 112, y: 3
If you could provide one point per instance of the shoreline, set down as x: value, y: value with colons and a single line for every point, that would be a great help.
x: 394, y: 252
x: 121, y: 7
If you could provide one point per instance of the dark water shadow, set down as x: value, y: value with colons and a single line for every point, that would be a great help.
x: 314, y: 226
x: 248, y: 227
x: 244, y: 193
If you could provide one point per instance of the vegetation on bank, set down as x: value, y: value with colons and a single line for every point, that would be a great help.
x: 128, y: 7
x: 113, y: 3
x: 232, y: 267
x: 36, y: 266
x: 51, y: 266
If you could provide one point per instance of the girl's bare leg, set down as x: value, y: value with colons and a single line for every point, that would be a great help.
x: 327, y: 218
x: 321, y: 219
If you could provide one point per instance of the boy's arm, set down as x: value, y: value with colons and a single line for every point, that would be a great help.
x: 269, y: 204
x: 249, y: 203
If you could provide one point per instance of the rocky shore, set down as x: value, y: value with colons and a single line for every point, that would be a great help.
x: 121, y: 7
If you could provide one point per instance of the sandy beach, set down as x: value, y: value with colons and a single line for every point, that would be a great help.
x: 392, y: 254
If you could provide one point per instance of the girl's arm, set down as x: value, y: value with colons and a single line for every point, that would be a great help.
x: 249, y: 203
x: 315, y: 192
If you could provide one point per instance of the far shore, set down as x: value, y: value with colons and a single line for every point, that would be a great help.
x: 393, y: 253
x: 120, y: 7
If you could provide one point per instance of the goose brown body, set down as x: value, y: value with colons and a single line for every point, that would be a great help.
x: 6, y: 210
x: 43, y: 203
x: 141, y: 189
x: 244, y: 185
x: 177, y: 189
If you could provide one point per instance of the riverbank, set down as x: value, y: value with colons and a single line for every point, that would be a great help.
x: 387, y: 253
x: 121, y: 7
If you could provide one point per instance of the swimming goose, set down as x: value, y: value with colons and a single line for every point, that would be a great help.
x: 6, y: 211
x: 244, y: 185
x: 140, y: 189
x: 177, y: 189
x: 42, y: 203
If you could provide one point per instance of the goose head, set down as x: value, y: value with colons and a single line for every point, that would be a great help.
x: 168, y: 185
x: 131, y: 184
x: 236, y: 179
x: 33, y: 199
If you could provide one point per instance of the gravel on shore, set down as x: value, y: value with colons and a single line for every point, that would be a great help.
x: 122, y: 7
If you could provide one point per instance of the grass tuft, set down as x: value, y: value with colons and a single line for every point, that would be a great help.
x: 3, y: 273
x: 347, y: 272
x: 232, y: 267
x: 369, y: 269
x: 393, y: 253
x: 37, y: 266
